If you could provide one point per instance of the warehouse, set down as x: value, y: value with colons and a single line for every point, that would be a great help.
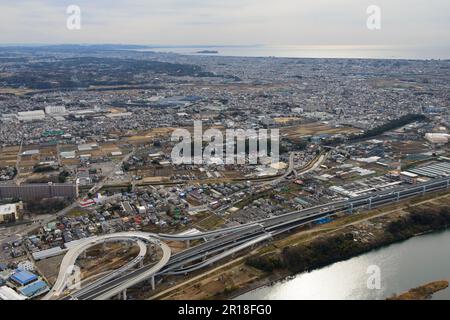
x: 35, y: 289
x: 23, y: 277
x: 436, y: 170
x: 31, y: 115
x: 44, y: 254
x: 6, y: 293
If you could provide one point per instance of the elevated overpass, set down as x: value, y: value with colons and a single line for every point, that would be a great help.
x: 225, y: 242
x: 66, y: 268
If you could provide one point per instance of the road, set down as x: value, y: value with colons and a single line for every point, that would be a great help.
x: 14, y: 233
x: 228, y: 241
x: 72, y: 255
x: 118, y: 167
x: 313, y: 165
x: 289, y: 170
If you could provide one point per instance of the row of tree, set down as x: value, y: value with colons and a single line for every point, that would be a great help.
x: 323, y: 252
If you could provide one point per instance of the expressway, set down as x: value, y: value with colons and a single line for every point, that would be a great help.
x: 111, y: 275
x: 66, y: 268
x: 225, y: 242
x: 311, y: 166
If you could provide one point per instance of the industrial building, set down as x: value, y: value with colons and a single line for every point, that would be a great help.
x: 31, y: 115
x: 23, y: 277
x: 435, y: 170
x: 55, y: 110
x: 437, y: 138
x: 68, y: 155
x: 6, y: 293
x: 30, y: 152
x: 44, y: 254
x: 34, y: 289
x: 409, y: 177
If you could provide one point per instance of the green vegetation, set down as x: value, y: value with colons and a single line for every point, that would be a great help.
x: 391, y: 125
x: 62, y: 177
x: 43, y: 168
x: 52, y: 133
x: 46, y: 206
x: 267, y: 263
x: 423, y: 292
x: 77, y: 213
x: 420, y: 221
x: 325, y: 251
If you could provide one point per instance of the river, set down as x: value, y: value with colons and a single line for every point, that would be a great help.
x: 403, y: 266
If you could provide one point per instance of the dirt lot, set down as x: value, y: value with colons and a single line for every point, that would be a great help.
x: 8, y: 156
x: 49, y: 268
x: 315, y: 129
x: 409, y: 147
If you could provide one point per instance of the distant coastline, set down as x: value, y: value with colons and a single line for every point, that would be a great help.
x: 313, y: 51
x: 374, y: 52
x: 208, y: 52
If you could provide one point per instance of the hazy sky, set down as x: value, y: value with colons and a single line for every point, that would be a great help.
x: 187, y: 22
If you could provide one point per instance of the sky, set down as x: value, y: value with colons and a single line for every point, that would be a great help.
x: 227, y: 22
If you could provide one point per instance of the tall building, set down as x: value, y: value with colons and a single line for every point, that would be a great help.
x: 39, y: 191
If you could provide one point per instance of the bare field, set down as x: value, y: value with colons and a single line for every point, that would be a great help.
x: 409, y: 147
x: 149, y: 135
x: 315, y: 128
x: 8, y: 156
x: 395, y: 83
x: 15, y: 91
x: 284, y: 120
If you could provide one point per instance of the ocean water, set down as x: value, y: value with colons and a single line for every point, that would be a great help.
x: 344, y: 51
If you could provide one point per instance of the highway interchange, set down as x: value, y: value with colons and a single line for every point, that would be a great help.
x: 217, y: 244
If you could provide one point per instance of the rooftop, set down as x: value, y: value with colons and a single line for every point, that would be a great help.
x: 24, y: 277
x: 8, y: 209
x: 6, y: 293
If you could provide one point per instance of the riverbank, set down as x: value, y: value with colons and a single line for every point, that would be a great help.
x: 354, y: 241
x: 236, y: 277
x: 423, y: 292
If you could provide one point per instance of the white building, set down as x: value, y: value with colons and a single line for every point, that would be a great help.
x: 409, y: 177
x: 68, y: 154
x: 9, y: 212
x: 119, y: 115
x: 437, y: 138
x: 297, y: 110
x: 30, y: 152
x: 116, y: 153
x: 6, y: 293
x: 25, y: 265
x: 55, y: 110
x: 31, y: 115
x: 142, y: 210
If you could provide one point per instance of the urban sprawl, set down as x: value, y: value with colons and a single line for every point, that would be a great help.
x: 86, y: 172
